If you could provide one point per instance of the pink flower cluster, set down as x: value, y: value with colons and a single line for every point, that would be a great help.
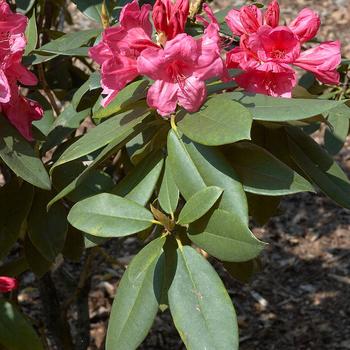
x: 267, y: 50
x: 20, y: 111
x: 179, y: 64
x: 7, y: 284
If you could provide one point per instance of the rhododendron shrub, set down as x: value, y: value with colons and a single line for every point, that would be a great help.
x: 168, y: 123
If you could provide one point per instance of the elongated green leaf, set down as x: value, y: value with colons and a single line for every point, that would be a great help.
x: 195, y: 167
x: 199, y: 204
x: 139, y: 185
x: 70, y: 41
x: 15, y: 203
x: 97, y: 181
x: 108, y: 215
x: 338, y: 119
x: 216, y: 171
x: 124, y: 100
x: 90, y: 8
x: 243, y: 271
x: 168, y: 196
x: 36, y: 262
x: 200, y: 306
x: 87, y: 86
x: 18, y: 154
x: 226, y: 237
x: 101, y: 135
x: 186, y: 175
x: 14, y: 268
x: 136, y: 304
x: 113, y: 147
x: 319, y: 166
x: 47, y: 229
x: 13, y: 324
x: 218, y: 122
x: 31, y: 34
x: 63, y: 126
x: 279, y: 109
x: 262, y: 173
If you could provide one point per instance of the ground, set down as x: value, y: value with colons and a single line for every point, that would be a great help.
x: 300, y: 299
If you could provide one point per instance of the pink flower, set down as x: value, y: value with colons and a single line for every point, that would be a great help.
x: 19, y: 110
x: 120, y: 47
x: 180, y: 71
x: 267, y: 51
x: 170, y: 18
x: 250, y: 18
x: 306, y: 25
x: 7, y: 284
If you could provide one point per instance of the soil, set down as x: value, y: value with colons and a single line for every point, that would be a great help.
x: 301, y: 298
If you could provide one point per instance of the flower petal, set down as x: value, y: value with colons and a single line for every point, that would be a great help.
x: 268, y: 83
x: 233, y: 21
x: 116, y: 74
x: 323, y: 61
x: 306, y: 25
x: 7, y: 284
x: 251, y: 18
x: 5, y: 92
x: 162, y: 96
x: 272, y: 14
x: 191, y: 93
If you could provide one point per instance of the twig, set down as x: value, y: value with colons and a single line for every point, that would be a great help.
x: 47, y: 89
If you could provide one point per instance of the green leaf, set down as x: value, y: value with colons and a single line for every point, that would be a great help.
x: 13, y: 324
x: 97, y: 181
x: 200, y: 306
x: 87, y: 86
x: 243, y: 271
x: 125, y: 99
x: 140, y: 183
x: 108, y: 215
x: 74, y: 245
x: 14, y: 268
x: 102, y: 135
x: 69, y: 42
x: 36, y: 262
x: 195, y: 167
x: 63, y: 126
x: 136, y: 304
x: 47, y: 229
x: 279, y: 109
x: 319, y: 166
x: 199, y: 204
x: 334, y: 139
x: 24, y: 6
x: 90, y: 8
x: 15, y: 203
x: 186, y: 175
x: 225, y: 236
x: 113, y: 147
x: 18, y: 154
x: 262, y: 173
x: 262, y: 208
x: 168, y: 196
x: 218, y: 122
x: 31, y: 34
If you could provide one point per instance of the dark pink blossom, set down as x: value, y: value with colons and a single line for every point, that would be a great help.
x: 180, y: 70
x: 169, y: 18
x: 7, y: 284
x: 268, y: 51
x: 19, y: 110
x: 120, y: 47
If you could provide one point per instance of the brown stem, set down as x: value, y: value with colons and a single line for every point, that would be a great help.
x: 47, y: 89
x: 56, y: 325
